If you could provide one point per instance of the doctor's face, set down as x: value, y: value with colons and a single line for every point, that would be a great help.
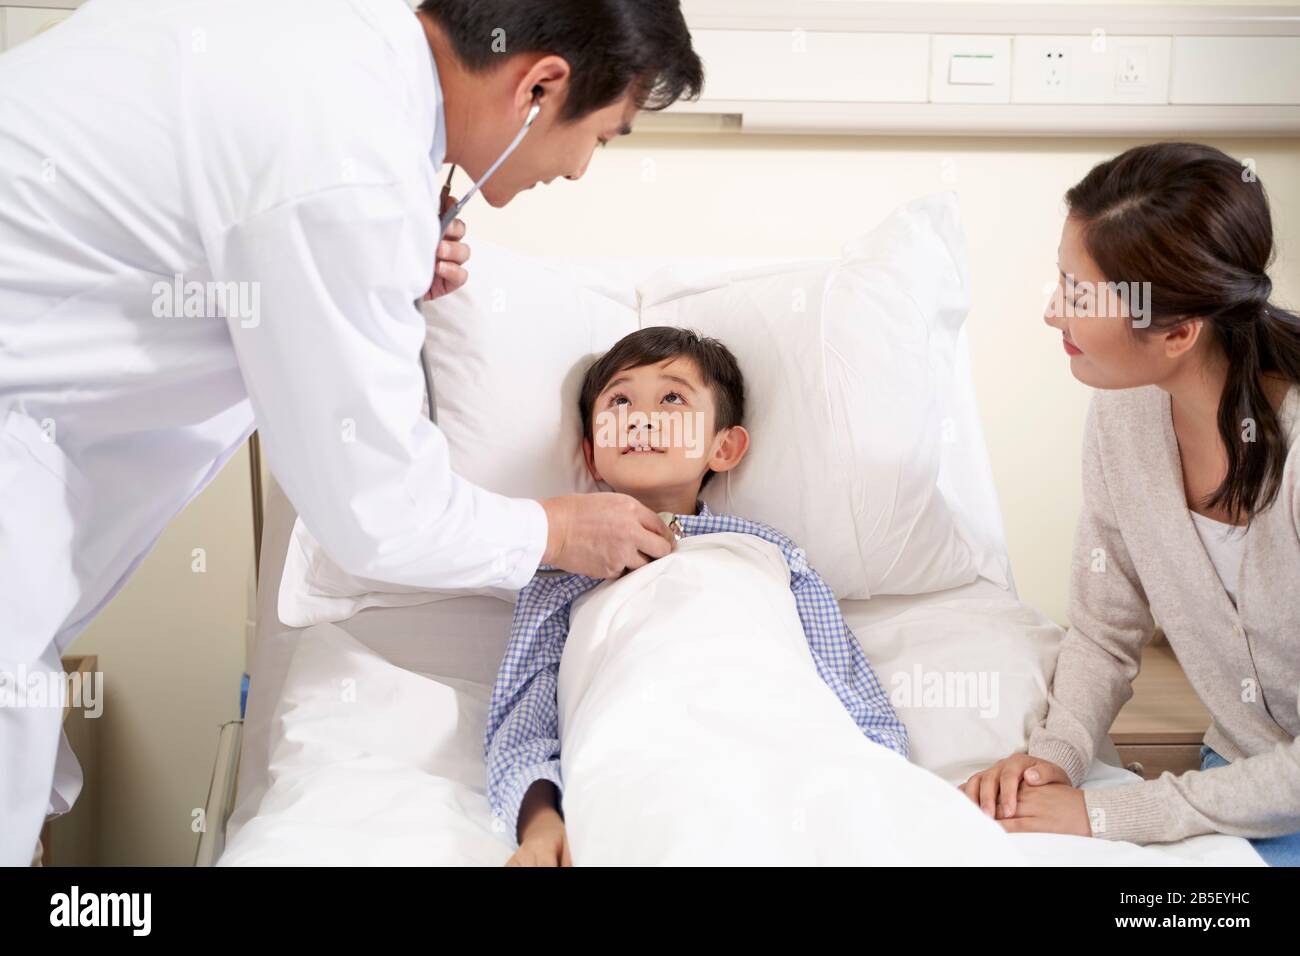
x: 556, y: 150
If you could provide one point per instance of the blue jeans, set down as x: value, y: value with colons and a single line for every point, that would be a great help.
x: 1276, y: 851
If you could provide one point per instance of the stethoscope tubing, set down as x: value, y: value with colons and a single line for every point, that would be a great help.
x: 449, y: 216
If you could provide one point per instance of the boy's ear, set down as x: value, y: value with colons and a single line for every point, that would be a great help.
x: 588, y: 453
x: 732, y: 448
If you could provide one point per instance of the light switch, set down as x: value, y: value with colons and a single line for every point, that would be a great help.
x: 972, y: 69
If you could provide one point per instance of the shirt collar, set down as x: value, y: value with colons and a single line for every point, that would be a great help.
x: 704, y: 511
x: 439, y: 151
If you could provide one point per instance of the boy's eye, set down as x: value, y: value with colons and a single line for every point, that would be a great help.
x: 674, y: 398
x: 617, y: 399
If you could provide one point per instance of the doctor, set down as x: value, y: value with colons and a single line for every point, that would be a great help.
x: 220, y: 216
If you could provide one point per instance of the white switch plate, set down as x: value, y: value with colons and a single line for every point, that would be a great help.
x: 970, y: 69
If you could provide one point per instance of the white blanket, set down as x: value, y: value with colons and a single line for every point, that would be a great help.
x: 695, y: 729
x: 370, y: 762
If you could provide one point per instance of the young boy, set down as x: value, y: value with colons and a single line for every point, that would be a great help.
x: 661, y: 413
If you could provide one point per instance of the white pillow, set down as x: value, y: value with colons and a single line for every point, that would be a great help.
x: 315, y: 590
x: 847, y: 364
x: 507, y: 360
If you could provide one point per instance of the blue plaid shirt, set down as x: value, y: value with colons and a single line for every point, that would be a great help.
x: 522, y: 741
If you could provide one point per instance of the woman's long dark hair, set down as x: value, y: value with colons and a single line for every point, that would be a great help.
x: 1195, y: 223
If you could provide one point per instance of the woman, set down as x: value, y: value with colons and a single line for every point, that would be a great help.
x: 1191, y: 516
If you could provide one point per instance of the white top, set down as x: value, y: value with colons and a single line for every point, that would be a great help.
x: 1225, y: 544
x: 151, y: 150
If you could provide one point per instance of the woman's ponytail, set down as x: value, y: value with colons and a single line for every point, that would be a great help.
x: 1263, y: 341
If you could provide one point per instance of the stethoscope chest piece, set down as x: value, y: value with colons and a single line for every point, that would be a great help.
x: 675, y: 526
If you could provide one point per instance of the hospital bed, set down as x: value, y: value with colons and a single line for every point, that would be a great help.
x: 399, y: 777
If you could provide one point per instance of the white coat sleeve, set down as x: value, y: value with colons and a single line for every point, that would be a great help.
x: 330, y: 358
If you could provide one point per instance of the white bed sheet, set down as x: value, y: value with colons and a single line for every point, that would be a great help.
x: 395, y: 780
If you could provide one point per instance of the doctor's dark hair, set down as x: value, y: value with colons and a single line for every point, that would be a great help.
x: 612, y: 46
x: 1195, y: 223
x: 649, y: 346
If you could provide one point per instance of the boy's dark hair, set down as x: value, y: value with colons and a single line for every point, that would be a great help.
x: 611, y: 45
x: 650, y: 346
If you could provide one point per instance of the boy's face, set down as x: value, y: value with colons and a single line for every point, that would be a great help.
x: 653, y: 435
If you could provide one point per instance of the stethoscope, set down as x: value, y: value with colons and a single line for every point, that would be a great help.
x: 448, y: 217
x: 444, y: 223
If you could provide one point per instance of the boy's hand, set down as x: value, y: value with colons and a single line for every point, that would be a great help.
x: 545, y: 844
x: 996, y: 789
x: 542, y: 841
x: 602, y: 535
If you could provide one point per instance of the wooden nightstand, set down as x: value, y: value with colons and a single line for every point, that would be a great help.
x: 1161, y: 727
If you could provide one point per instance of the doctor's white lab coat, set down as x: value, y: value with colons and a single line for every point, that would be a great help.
x: 217, y: 215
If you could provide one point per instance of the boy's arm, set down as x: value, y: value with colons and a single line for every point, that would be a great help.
x: 522, y: 743
x: 542, y: 839
x: 840, y: 659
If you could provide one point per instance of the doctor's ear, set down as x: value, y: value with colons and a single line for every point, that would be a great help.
x: 546, y: 83
x: 732, y: 448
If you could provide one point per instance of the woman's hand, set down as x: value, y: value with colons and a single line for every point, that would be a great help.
x: 997, y: 789
x: 1053, y: 808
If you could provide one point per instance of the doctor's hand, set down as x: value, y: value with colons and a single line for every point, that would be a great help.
x: 449, y: 272
x: 997, y: 789
x: 602, y: 535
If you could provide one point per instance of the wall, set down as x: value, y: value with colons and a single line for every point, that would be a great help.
x: 733, y: 194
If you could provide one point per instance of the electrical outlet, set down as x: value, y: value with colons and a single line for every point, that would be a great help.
x: 1072, y: 69
x: 1045, y: 69
x: 1132, y: 71
x: 1055, y: 70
